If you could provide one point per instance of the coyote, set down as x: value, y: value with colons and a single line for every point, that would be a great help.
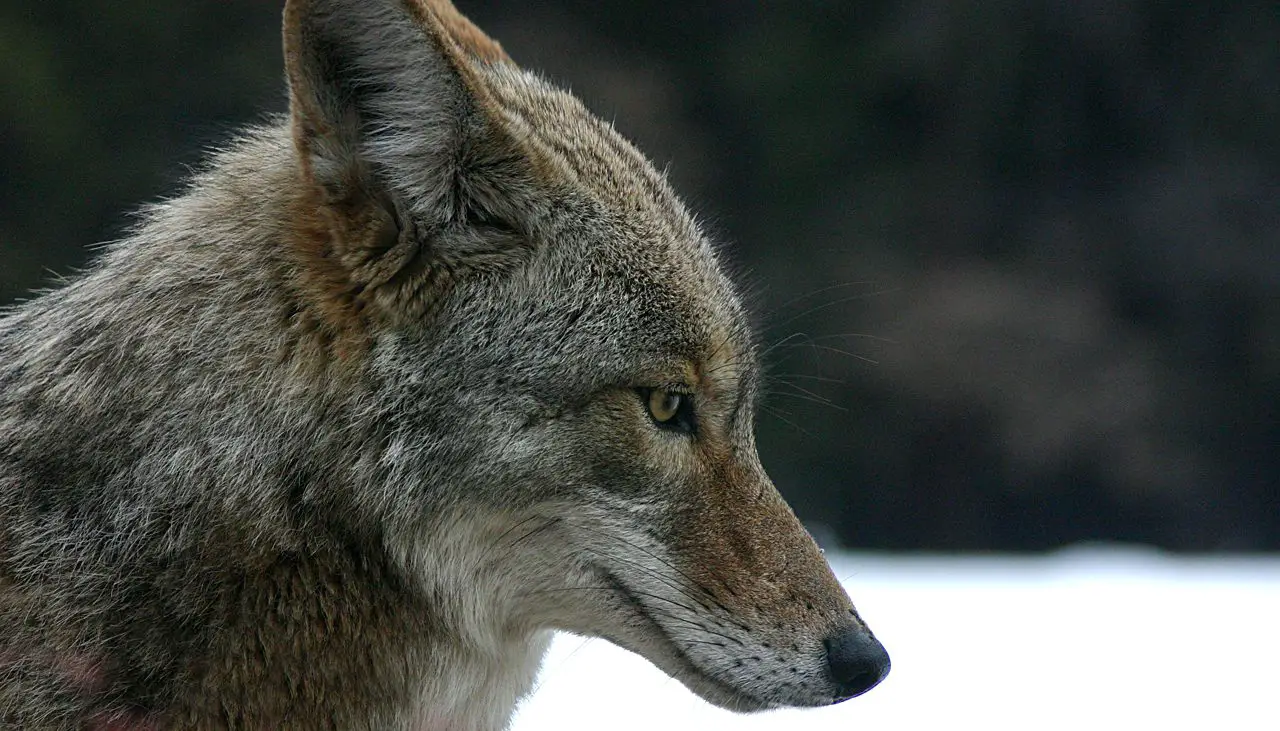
x: 404, y: 381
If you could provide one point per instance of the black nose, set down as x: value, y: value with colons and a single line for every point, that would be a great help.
x: 857, y: 660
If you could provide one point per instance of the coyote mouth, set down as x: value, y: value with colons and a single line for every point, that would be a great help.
x: 677, y: 662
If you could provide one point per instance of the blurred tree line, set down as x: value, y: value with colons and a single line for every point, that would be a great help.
x: 1016, y: 263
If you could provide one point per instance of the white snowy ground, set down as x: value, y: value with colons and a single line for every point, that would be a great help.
x: 1088, y: 639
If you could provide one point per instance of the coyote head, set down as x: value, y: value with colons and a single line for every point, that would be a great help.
x: 554, y: 359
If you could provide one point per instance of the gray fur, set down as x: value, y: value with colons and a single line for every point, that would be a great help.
x: 336, y: 437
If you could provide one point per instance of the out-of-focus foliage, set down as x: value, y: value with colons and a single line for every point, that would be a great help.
x: 1028, y: 251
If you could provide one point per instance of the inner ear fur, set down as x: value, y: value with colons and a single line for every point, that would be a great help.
x: 389, y: 119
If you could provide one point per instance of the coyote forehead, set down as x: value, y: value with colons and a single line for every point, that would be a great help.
x: 578, y: 149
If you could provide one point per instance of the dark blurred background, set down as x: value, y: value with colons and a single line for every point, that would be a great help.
x: 1017, y: 262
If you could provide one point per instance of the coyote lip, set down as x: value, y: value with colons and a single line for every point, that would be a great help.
x: 701, y: 681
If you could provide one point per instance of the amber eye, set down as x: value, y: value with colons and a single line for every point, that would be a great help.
x: 669, y: 409
x: 664, y: 406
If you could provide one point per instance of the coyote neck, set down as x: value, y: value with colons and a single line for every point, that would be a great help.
x: 334, y: 638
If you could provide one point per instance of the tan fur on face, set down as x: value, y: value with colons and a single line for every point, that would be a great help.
x: 744, y: 540
x: 742, y: 537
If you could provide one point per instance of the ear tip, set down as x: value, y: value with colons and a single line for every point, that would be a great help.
x: 464, y: 33
x: 292, y: 20
x: 440, y: 15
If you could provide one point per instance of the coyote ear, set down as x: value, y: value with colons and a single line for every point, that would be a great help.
x: 389, y: 118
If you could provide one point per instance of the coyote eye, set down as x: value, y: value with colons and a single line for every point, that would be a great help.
x: 669, y: 409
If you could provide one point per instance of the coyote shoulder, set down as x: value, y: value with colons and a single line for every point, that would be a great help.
x: 404, y: 381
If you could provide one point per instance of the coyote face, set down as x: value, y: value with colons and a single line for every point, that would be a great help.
x: 437, y: 365
x: 598, y: 360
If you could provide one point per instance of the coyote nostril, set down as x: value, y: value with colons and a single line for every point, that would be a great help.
x: 857, y: 660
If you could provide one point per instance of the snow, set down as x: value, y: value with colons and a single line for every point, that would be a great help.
x: 1084, y: 639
